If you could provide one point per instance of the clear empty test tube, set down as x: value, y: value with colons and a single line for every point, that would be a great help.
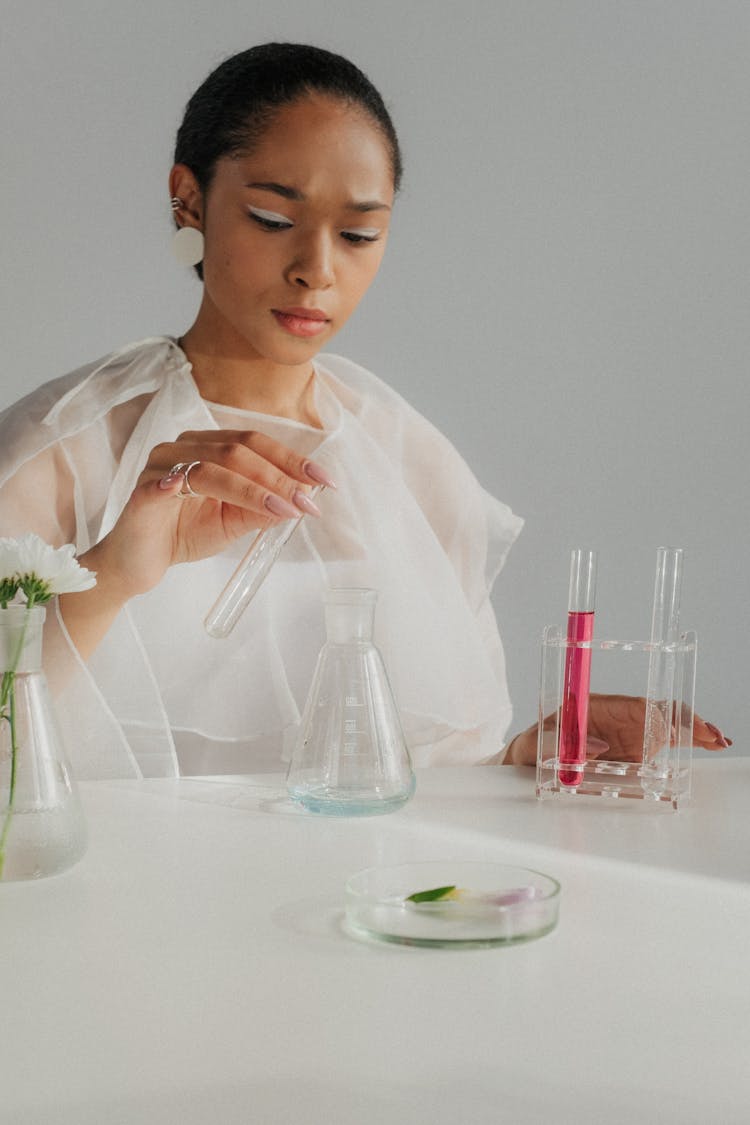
x: 665, y: 633
x: 250, y: 574
x: 574, y: 712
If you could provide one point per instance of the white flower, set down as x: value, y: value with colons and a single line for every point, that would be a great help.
x: 42, y: 571
x: 8, y: 559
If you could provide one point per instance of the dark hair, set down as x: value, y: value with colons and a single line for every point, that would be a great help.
x: 229, y: 112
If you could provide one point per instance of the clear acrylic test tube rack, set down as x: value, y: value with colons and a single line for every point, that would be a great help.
x: 619, y: 667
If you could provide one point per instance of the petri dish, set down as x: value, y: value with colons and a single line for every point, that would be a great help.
x: 452, y: 904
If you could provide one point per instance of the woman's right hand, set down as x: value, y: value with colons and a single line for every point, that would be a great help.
x: 615, y: 730
x: 243, y: 481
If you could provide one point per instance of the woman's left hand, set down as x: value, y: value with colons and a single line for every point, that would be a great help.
x: 615, y: 732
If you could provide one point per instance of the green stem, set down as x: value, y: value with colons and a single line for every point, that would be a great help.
x: 10, y: 676
x: 8, y: 697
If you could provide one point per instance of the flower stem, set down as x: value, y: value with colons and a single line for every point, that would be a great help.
x: 8, y: 698
x: 9, y: 694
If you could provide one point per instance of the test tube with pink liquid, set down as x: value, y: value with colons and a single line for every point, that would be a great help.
x: 574, y: 714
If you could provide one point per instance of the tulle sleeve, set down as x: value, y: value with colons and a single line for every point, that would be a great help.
x: 41, y: 496
x: 56, y: 471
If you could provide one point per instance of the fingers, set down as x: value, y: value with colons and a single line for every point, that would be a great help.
x: 620, y: 719
x: 266, y: 492
x: 248, y: 470
x: 294, y: 465
x: 172, y: 482
x: 624, y: 712
x: 596, y: 747
x: 709, y: 737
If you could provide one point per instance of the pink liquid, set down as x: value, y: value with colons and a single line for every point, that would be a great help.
x: 574, y: 717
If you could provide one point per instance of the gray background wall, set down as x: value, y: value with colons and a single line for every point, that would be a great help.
x: 566, y: 289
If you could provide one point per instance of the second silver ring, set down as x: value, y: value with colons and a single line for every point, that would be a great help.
x: 186, y: 490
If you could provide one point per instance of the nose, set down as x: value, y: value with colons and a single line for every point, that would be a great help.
x: 312, y: 266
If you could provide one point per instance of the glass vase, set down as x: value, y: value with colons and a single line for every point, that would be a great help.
x: 42, y: 828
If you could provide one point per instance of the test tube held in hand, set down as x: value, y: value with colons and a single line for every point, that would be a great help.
x: 250, y: 574
x: 574, y: 713
x: 665, y: 626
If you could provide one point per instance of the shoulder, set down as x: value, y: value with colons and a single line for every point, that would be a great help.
x: 107, y: 371
x: 66, y: 405
x: 466, y: 518
x: 358, y: 389
x: 425, y: 458
x: 386, y: 414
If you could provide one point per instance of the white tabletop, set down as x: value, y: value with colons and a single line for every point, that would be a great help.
x: 193, y: 967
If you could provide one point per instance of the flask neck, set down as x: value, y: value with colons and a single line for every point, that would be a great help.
x: 350, y: 616
x: 21, y: 638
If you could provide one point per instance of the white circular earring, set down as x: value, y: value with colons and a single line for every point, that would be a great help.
x: 187, y: 246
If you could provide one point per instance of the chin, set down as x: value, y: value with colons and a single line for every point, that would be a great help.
x: 292, y: 352
x: 291, y: 355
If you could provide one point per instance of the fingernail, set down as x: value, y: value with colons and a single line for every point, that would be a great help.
x: 595, y: 747
x: 169, y: 480
x: 315, y: 472
x: 305, y: 504
x: 279, y: 507
x: 715, y: 731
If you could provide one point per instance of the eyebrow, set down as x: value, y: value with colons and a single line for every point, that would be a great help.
x: 299, y: 197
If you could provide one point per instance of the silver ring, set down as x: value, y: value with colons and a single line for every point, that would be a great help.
x: 186, y: 490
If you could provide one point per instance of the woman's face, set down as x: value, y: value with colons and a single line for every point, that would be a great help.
x: 295, y: 231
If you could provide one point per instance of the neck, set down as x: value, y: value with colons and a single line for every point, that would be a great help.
x: 224, y: 375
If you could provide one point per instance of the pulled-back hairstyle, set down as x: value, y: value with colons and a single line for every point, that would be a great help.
x: 229, y: 112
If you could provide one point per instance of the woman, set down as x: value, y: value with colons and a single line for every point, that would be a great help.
x: 160, y: 461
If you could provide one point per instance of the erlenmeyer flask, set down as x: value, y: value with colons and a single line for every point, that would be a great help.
x: 42, y: 829
x: 350, y: 758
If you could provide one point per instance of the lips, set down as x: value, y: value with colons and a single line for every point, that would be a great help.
x: 300, y: 321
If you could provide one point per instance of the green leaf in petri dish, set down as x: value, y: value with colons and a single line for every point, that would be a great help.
x: 433, y: 895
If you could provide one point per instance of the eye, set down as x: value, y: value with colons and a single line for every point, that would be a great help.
x: 270, y: 220
x: 369, y: 234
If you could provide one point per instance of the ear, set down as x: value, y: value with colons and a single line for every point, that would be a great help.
x: 183, y: 185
